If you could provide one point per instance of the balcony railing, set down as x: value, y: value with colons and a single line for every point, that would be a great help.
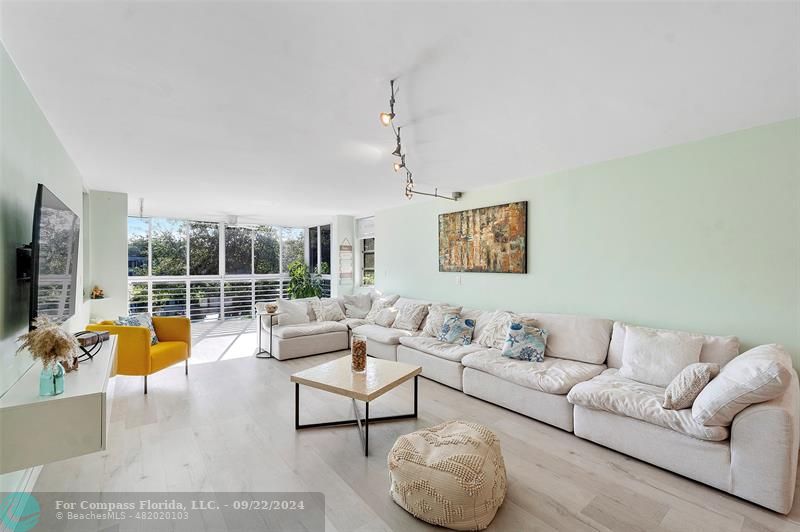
x: 208, y: 298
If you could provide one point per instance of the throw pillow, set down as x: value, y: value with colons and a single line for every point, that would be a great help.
x: 386, y: 317
x: 352, y: 311
x: 327, y: 309
x: 759, y: 375
x: 494, y: 334
x: 377, y: 306
x: 139, y: 320
x: 656, y: 357
x: 436, y: 315
x: 409, y: 316
x: 456, y: 330
x: 685, y: 388
x: 357, y: 305
x: 525, y: 342
x: 309, y: 303
x: 292, y: 312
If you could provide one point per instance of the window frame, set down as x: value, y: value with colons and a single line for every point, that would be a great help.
x: 364, y: 253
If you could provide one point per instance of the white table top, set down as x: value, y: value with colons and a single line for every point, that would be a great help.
x: 337, y: 377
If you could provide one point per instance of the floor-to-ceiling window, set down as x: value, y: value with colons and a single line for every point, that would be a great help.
x: 319, y: 253
x: 208, y: 270
x: 365, y: 233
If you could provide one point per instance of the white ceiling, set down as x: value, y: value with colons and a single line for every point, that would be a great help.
x: 271, y: 109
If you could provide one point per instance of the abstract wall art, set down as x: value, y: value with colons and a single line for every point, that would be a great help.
x: 489, y: 239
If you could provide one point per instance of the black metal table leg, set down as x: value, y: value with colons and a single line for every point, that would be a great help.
x: 296, y: 405
x: 415, y: 394
x: 366, y: 428
x: 261, y: 350
x: 363, y: 432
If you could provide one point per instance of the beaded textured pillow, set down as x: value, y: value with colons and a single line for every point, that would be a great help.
x: 456, y: 330
x: 525, y: 342
x: 688, y: 384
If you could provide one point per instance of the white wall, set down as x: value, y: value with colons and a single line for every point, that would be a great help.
x: 342, y: 227
x: 108, y: 231
x: 702, y: 236
x: 30, y: 153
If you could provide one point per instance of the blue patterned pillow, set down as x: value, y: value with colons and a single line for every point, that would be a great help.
x: 139, y: 320
x: 456, y: 330
x: 525, y: 342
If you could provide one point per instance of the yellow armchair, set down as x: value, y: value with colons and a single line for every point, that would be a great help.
x: 135, y: 355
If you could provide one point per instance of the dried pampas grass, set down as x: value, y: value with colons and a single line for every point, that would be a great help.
x: 49, y: 343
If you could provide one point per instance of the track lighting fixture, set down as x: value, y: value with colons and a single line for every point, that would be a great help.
x: 410, y: 192
x: 398, y: 150
x: 401, y: 164
x: 386, y: 118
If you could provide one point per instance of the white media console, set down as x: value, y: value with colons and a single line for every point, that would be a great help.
x: 36, y: 430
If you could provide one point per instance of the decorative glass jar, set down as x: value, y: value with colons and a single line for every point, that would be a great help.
x: 51, y: 380
x: 358, y: 353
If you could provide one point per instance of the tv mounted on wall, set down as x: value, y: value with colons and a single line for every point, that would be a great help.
x: 53, y: 258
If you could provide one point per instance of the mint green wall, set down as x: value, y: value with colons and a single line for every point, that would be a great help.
x: 702, y: 236
x: 30, y: 153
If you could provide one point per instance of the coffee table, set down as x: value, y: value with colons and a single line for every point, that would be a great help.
x: 336, y: 377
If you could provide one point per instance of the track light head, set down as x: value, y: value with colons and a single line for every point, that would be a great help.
x: 401, y: 164
x: 386, y: 118
x: 398, y: 150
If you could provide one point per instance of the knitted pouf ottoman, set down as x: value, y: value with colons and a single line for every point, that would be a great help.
x: 451, y: 475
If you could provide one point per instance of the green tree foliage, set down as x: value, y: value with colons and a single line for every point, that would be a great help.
x: 203, y: 249
x: 267, y: 249
x: 293, y: 246
x: 168, y: 243
x: 238, y: 246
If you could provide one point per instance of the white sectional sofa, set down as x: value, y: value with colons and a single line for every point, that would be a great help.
x: 578, y: 388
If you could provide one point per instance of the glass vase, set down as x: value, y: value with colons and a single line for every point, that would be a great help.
x: 51, y: 380
x: 358, y: 353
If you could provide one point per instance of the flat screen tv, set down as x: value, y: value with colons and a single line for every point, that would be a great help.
x: 54, y: 258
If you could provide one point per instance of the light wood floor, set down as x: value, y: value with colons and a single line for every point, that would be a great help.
x: 229, y: 427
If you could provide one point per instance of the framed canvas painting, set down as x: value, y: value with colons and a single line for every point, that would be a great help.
x: 490, y: 239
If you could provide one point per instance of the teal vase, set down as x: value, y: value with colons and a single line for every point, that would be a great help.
x: 51, y: 380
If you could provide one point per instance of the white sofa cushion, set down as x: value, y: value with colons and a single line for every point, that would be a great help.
x: 378, y: 305
x: 308, y: 329
x: 327, y: 310
x: 494, y: 333
x: 435, y: 319
x: 716, y: 349
x: 292, y: 312
x: 656, y: 357
x: 761, y: 374
x: 580, y: 338
x: 554, y: 375
x: 625, y: 397
x: 356, y: 305
x: 437, y: 348
x: 410, y: 315
x: 384, y: 335
x: 386, y: 317
x: 353, y: 322
x: 481, y: 319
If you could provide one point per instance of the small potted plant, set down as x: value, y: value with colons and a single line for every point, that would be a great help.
x: 51, y: 345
